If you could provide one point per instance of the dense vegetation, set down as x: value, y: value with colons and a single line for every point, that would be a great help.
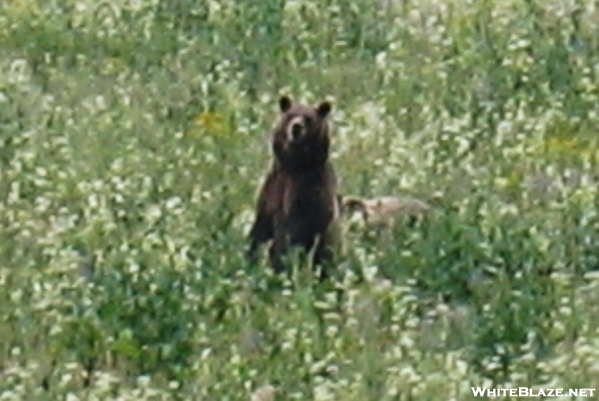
x: 133, y: 137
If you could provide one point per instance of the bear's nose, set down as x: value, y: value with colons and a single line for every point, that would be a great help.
x: 296, y: 131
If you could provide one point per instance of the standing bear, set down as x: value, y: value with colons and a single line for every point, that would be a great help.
x: 297, y: 203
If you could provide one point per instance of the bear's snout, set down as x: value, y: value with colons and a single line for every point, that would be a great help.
x: 296, y: 129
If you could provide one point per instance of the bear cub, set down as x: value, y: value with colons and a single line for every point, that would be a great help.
x: 297, y: 204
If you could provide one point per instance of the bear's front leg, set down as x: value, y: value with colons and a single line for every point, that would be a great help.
x: 324, y: 256
x: 277, y: 253
x: 327, y: 250
x: 261, y: 232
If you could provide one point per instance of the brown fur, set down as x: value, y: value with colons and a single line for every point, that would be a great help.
x: 297, y: 204
x: 383, y: 210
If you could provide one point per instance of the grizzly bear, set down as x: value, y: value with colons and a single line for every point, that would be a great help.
x: 383, y: 210
x: 297, y: 204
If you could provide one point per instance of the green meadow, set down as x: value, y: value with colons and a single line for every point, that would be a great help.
x: 134, y: 135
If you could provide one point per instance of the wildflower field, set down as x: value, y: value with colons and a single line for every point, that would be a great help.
x: 134, y: 134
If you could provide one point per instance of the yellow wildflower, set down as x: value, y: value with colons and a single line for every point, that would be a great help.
x: 210, y: 121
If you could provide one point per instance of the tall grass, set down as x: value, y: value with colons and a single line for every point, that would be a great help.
x: 133, y: 135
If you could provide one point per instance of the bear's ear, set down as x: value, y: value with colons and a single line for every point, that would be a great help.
x: 284, y: 103
x: 324, y: 109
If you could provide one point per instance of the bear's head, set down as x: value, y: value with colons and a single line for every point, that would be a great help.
x: 301, y: 136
